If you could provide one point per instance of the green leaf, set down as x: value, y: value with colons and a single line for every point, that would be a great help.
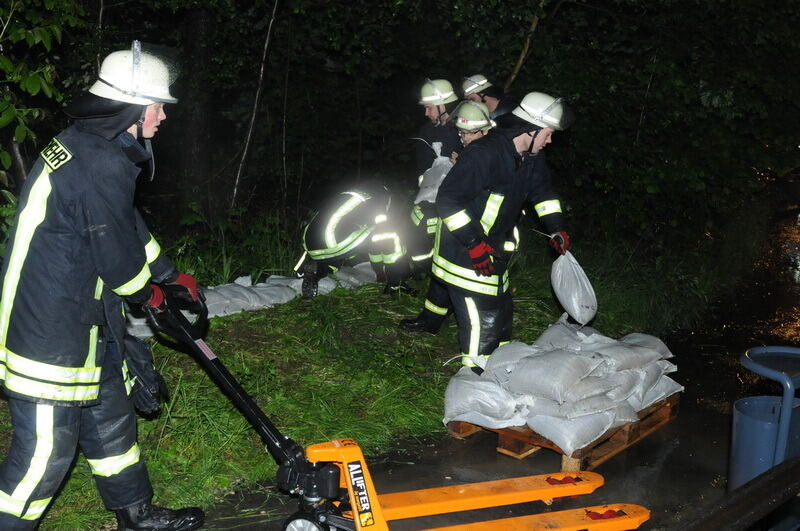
x: 6, y: 64
x: 32, y: 84
x: 7, y: 116
x: 5, y: 159
x: 20, y: 133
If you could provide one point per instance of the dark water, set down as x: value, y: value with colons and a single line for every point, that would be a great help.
x: 678, y: 472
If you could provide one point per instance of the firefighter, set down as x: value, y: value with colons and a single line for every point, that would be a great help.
x: 477, y: 88
x: 79, y: 250
x: 479, y: 203
x: 353, y: 226
x: 472, y: 122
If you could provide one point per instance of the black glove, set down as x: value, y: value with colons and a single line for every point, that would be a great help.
x: 188, y: 282
x: 149, y: 388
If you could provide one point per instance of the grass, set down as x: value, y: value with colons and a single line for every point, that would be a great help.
x: 338, y: 366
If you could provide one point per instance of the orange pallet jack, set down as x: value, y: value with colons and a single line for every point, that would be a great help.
x: 334, y: 485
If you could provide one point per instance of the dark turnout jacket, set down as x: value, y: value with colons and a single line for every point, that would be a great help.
x: 79, y: 247
x: 481, y: 199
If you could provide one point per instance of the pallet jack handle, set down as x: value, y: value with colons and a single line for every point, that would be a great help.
x: 296, y: 475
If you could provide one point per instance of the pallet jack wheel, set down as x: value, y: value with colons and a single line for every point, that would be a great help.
x: 303, y: 521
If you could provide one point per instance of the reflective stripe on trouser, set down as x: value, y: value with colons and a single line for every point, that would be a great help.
x: 484, y: 322
x: 437, y: 300
x: 44, y: 444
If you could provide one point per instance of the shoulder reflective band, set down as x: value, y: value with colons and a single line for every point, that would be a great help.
x: 342, y: 211
x: 490, y: 211
x: 136, y: 283
x: 115, y: 463
x: 15, y: 502
x: 547, y: 207
x: 152, y: 250
x: 29, y: 220
x: 55, y: 154
x: 457, y: 220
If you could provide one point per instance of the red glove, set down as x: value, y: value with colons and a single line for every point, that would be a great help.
x: 481, y: 255
x: 560, y: 242
x: 190, y: 283
x: 156, y: 300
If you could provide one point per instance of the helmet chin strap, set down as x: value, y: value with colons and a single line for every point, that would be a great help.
x: 147, y: 144
x: 529, y: 152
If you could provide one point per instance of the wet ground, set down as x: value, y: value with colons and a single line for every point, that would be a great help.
x: 678, y: 472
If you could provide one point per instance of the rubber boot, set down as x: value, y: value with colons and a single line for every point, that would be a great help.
x: 146, y: 516
x: 426, y: 321
x: 310, y: 286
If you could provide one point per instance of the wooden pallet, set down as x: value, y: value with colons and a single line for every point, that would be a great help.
x: 520, y: 442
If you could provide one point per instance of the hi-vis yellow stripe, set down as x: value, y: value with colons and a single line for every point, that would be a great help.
x: 29, y: 220
x: 490, y: 211
x: 136, y: 283
x: 116, y: 463
x: 547, y: 207
x: 457, y: 220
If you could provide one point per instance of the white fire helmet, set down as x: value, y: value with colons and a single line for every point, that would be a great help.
x: 544, y: 110
x: 472, y: 116
x: 474, y: 83
x: 436, y: 92
x: 141, y: 75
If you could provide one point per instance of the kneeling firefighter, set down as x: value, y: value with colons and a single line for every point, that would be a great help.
x: 354, y: 226
x: 479, y: 203
x: 78, y: 252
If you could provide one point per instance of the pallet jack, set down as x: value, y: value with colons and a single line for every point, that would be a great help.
x: 334, y: 485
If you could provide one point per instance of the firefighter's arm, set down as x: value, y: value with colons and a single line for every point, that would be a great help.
x: 117, y: 251
x: 458, y: 189
x: 161, y: 267
x: 547, y: 205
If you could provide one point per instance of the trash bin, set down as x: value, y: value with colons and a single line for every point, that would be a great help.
x: 766, y: 429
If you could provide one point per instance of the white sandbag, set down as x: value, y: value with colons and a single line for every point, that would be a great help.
x: 563, y: 334
x: 471, y: 398
x: 589, y: 387
x: 573, y: 289
x: 501, y: 363
x: 571, y: 435
x: 651, y: 342
x: 433, y: 176
x: 622, y: 356
x: 588, y: 406
x: 624, y: 414
x: 550, y: 374
x: 665, y: 387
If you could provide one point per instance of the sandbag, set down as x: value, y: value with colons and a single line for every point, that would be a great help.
x: 573, y: 289
x: 648, y: 341
x: 471, y: 398
x: 570, y: 435
x: 501, y: 363
x: 433, y: 176
x: 551, y: 374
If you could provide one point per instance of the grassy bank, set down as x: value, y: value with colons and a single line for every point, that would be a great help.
x: 338, y: 366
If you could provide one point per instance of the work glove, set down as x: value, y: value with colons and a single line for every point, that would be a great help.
x: 157, y: 302
x: 190, y: 283
x: 149, y: 387
x: 481, y: 255
x: 560, y: 242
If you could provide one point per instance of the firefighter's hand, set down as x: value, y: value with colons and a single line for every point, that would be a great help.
x: 481, y: 255
x: 157, y: 302
x: 560, y: 242
x: 188, y: 282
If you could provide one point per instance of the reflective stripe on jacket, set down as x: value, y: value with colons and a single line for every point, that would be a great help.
x: 78, y: 247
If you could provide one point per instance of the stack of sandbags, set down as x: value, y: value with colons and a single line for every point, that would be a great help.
x: 570, y: 386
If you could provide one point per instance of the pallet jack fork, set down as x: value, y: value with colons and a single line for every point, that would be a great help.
x: 334, y: 485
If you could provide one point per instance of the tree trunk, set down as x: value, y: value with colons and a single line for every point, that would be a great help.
x: 195, y: 163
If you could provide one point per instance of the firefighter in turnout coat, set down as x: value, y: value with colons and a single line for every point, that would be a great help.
x: 79, y: 249
x: 479, y: 203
